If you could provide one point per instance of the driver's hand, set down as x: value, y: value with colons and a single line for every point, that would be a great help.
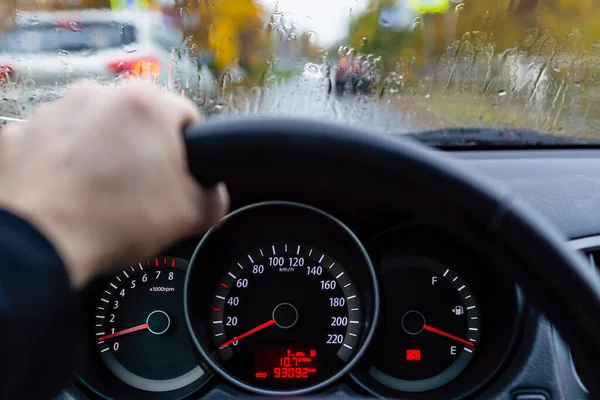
x: 102, y: 172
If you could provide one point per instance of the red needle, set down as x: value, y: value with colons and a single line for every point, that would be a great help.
x: 434, y: 330
x: 124, y: 332
x: 250, y: 332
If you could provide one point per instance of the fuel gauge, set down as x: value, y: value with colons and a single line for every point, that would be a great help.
x: 431, y: 328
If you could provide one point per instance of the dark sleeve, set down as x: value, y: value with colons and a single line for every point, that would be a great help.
x: 39, y: 322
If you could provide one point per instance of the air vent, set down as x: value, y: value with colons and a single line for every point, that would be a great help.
x: 590, y: 247
x: 593, y: 256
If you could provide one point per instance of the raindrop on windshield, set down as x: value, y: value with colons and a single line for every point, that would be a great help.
x: 311, y: 67
x: 74, y: 26
x: 385, y: 23
x: 417, y: 23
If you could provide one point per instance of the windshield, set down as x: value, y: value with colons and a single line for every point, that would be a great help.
x: 398, y: 66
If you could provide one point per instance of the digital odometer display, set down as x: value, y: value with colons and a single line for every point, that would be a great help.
x: 281, y: 298
x: 285, y: 363
x: 291, y: 297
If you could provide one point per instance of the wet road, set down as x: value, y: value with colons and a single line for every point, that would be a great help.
x: 298, y: 97
x: 309, y: 97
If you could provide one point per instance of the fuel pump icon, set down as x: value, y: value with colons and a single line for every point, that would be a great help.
x: 458, y: 310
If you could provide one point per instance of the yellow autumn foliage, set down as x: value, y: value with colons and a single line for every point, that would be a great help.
x: 222, y: 25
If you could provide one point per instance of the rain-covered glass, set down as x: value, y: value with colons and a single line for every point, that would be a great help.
x: 401, y: 66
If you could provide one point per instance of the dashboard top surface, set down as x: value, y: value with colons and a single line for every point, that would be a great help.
x: 564, y: 185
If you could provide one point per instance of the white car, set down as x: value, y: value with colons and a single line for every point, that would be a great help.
x: 52, y: 49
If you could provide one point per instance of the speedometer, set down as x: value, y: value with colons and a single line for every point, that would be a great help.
x: 292, y: 301
x: 262, y: 314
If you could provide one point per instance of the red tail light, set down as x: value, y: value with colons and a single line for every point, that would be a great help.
x: 73, y: 26
x: 6, y: 71
x: 144, y: 67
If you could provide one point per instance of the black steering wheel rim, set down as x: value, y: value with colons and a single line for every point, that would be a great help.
x: 557, y: 280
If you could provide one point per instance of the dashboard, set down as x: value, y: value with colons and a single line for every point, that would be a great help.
x: 317, y: 295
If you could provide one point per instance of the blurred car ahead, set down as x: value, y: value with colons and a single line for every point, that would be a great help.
x: 353, y: 77
x: 52, y: 49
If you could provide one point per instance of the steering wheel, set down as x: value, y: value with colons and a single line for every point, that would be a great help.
x: 401, y: 173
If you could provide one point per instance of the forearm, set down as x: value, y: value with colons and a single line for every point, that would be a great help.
x: 39, y: 321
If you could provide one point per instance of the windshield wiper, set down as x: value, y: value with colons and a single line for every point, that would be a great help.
x: 491, y: 138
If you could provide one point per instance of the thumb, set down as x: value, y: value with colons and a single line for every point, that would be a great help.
x: 210, y: 204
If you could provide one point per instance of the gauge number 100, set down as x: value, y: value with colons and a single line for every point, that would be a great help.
x: 292, y: 261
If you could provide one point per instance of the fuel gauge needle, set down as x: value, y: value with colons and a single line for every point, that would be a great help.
x: 446, y: 334
x: 124, y: 332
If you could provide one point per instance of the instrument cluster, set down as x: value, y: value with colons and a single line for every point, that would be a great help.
x: 282, y: 298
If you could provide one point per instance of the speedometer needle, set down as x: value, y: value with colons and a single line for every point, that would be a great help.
x: 448, y: 335
x: 124, y: 332
x: 250, y: 332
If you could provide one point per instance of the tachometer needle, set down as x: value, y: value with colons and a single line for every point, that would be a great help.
x: 448, y: 335
x: 250, y: 332
x: 124, y: 332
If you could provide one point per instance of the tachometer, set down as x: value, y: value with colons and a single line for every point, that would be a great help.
x: 292, y: 302
x: 139, y: 327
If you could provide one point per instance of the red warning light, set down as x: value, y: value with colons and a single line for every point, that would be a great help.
x: 313, y: 353
x: 413, y: 355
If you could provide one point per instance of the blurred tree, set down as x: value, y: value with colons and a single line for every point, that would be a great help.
x: 563, y: 16
x: 95, y: 3
x: 56, y: 4
x: 233, y: 30
x: 508, y: 20
x: 381, y: 30
x: 7, y: 13
x: 502, y: 18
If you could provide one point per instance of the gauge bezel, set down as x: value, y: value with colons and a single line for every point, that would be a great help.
x: 396, y: 265
x: 252, y: 226
x: 495, y: 294
x: 353, y: 330
x: 121, y: 280
x: 95, y: 377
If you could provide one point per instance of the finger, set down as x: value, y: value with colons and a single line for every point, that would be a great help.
x: 216, y: 204
x: 83, y: 85
x: 182, y: 110
x: 83, y: 90
x: 178, y: 112
x: 11, y: 129
x: 10, y: 134
x: 178, y: 109
x: 208, y: 205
